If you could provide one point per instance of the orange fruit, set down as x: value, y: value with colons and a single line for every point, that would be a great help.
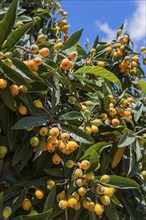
x: 63, y: 204
x: 43, y: 131
x: 38, y: 60
x: 14, y: 89
x: 54, y: 132
x: 82, y: 191
x: 39, y: 193
x: 44, y: 52
x: 56, y: 159
x: 100, y: 63
x: 85, y: 164
x: 72, y: 202
x: 41, y: 38
x: 26, y: 205
x: 72, y: 145
x: 73, y: 55
x: 98, y: 209
x: 103, y: 116
x: 22, y: 110
x: 115, y: 122
x: 3, y: 83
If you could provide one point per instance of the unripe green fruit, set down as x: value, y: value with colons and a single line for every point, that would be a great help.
x: 8, y: 55
x: 97, y: 122
x: 72, y: 99
x: 1, y: 55
x: 8, y: 62
x: 34, y: 141
x: 92, y: 51
x: 33, y: 212
x: 38, y: 104
x: 7, y: 211
x: 143, y: 173
x: 3, y: 149
x: 105, y: 179
x: 19, y: 24
x: 87, y: 113
x: 89, y: 103
x: 50, y: 184
x: 69, y: 163
x: 23, y: 88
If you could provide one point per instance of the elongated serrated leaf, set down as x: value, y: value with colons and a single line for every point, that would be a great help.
x: 78, y: 134
x: 14, y: 75
x: 111, y: 212
x: 71, y: 116
x: 19, y: 200
x: 16, y: 36
x: 57, y: 172
x: 142, y: 83
x: 21, y: 66
x: 126, y: 140
x: 1, y: 201
x: 21, y: 151
x: 98, y: 147
x: 27, y: 101
x: 51, y: 198
x: 8, y: 21
x: 56, y: 211
x: 29, y: 122
x: 40, y: 216
x: 94, y: 159
x: 73, y: 39
x: 102, y: 72
x: 122, y: 182
x: 8, y: 98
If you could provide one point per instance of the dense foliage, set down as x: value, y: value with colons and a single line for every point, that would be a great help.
x: 72, y: 119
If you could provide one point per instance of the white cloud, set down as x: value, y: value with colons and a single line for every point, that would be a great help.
x: 105, y: 28
x: 135, y: 24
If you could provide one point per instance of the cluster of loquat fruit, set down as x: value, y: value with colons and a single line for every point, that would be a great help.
x: 56, y: 141
x: 89, y: 192
x: 122, y: 111
x: 66, y: 63
x: 27, y: 203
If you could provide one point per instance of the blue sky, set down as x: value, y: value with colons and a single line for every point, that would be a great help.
x: 103, y: 18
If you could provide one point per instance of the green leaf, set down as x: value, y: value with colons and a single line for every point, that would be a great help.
x: 57, y: 172
x: 126, y: 140
x: 8, y: 98
x: 142, y: 83
x: 40, y: 216
x: 111, y: 212
x: 51, y: 198
x: 30, y: 122
x: 98, y: 147
x: 99, y: 71
x: 71, y: 116
x: 16, y: 36
x: 73, y: 39
x: 1, y: 202
x: 56, y: 211
x: 25, y: 70
x: 14, y: 75
x: 122, y: 182
x: 21, y: 151
x: 19, y: 200
x: 94, y: 159
x: 95, y: 42
x: 27, y: 101
x: 78, y: 134
x: 8, y: 21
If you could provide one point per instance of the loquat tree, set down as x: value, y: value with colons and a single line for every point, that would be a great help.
x: 72, y: 120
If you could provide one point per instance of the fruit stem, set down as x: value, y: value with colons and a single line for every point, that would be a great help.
x: 66, y: 214
x: 141, y: 131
